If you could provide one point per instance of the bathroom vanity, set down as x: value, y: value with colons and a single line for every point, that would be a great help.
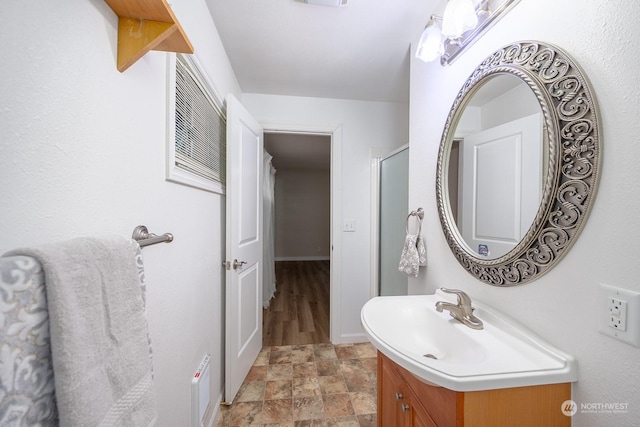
x: 406, y: 401
x: 435, y: 370
x: 448, y: 362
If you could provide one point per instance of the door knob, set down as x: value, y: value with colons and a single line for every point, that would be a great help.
x: 237, y: 264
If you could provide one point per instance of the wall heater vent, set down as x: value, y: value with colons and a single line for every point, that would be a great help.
x: 201, y: 408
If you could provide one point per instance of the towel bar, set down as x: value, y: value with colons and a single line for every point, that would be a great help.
x: 144, y: 238
x: 419, y: 214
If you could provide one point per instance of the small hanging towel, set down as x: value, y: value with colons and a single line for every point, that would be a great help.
x: 422, y: 251
x: 414, y: 252
x: 409, y: 259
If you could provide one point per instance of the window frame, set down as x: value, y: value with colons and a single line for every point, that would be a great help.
x: 175, y: 173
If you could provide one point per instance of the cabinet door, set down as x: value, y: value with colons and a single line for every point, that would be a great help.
x: 419, y: 416
x: 390, y: 396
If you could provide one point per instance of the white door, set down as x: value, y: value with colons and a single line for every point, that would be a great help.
x: 501, y: 185
x: 243, y: 335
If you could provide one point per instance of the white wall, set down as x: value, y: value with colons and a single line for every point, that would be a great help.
x: 364, y: 125
x: 302, y: 214
x: 562, y: 306
x: 83, y: 153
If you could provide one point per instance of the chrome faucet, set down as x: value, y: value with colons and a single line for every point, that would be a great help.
x: 463, y: 312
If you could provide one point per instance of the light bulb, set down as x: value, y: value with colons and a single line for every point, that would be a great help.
x: 431, y: 44
x: 459, y: 17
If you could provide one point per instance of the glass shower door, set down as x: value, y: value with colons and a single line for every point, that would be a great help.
x: 393, y: 209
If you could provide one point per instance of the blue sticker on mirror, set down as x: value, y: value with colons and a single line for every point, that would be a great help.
x: 483, y: 250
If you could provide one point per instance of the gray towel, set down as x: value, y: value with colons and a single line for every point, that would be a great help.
x: 99, y: 337
x: 27, y: 390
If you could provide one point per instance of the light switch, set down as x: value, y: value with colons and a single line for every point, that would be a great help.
x: 349, y: 225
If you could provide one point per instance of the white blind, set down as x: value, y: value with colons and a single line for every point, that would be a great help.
x: 200, y: 145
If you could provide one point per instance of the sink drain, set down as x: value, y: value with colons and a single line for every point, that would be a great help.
x: 430, y: 356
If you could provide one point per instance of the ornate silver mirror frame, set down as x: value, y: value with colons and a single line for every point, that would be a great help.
x: 572, y: 132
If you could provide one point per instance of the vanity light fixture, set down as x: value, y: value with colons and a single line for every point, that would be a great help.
x: 462, y: 22
x: 431, y: 44
x: 459, y: 17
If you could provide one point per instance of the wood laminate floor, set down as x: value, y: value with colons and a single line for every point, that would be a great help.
x: 299, y: 312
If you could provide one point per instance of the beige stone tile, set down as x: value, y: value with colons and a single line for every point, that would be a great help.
x: 351, y: 365
x: 302, y: 353
x: 370, y: 365
x: 368, y: 420
x: 347, y: 351
x: 303, y: 370
x: 366, y: 349
x: 281, y: 348
x: 279, y: 357
x: 364, y: 402
x: 325, y: 352
x: 311, y: 423
x: 277, y: 411
x: 245, y: 414
x: 251, y: 391
x: 279, y: 372
x: 223, y: 416
x: 257, y: 373
x: 351, y: 421
x: 308, y: 408
x: 358, y: 381
x: 280, y: 389
x: 306, y: 387
x: 332, y: 384
x: 263, y: 357
x: 327, y: 367
x: 337, y: 405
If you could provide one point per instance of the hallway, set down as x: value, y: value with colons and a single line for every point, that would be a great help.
x: 299, y: 312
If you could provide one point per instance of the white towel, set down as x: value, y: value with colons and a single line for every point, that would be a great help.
x: 99, y: 337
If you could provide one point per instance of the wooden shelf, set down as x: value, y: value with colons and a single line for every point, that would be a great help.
x: 145, y: 25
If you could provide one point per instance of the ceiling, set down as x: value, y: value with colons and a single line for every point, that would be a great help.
x: 359, y: 51
x: 299, y: 151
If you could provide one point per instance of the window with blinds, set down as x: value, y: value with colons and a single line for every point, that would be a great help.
x: 198, y: 129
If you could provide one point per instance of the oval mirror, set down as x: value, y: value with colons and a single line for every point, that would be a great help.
x: 518, y: 163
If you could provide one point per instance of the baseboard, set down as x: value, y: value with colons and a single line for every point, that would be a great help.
x: 353, y: 338
x: 303, y: 258
x: 216, y: 411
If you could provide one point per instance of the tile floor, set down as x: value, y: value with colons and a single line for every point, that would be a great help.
x: 315, y: 385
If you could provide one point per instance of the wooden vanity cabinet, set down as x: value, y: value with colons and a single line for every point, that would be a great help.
x: 405, y: 401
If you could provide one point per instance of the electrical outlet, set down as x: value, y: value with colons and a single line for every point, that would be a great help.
x: 620, y: 314
x: 617, y: 314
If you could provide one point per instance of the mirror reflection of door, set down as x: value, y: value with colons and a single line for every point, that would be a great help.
x: 501, y: 185
x: 393, y: 208
x: 496, y: 170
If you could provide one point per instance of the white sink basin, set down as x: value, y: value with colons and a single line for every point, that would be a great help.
x: 503, y: 354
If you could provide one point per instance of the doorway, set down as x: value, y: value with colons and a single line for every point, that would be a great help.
x: 299, y: 312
